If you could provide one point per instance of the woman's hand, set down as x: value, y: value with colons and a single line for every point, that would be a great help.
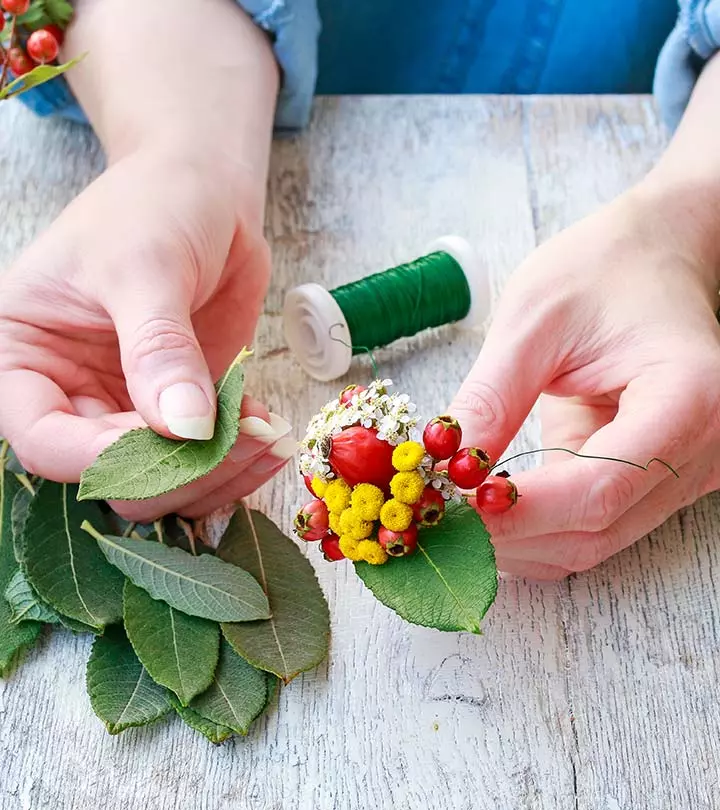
x: 124, y: 313
x: 612, y: 324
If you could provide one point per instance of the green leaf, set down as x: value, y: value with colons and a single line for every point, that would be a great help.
x: 449, y: 583
x: 60, y: 11
x: 295, y: 639
x: 142, y: 464
x: 179, y: 651
x: 18, y: 517
x: 14, y: 638
x: 122, y: 694
x: 201, y: 586
x: 37, y: 76
x: 212, y: 731
x: 64, y: 564
x: 238, y: 694
x: 35, y: 17
x: 25, y: 604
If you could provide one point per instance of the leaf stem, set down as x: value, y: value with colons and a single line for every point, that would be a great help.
x: 129, y: 529
x: 11, y: 45
x: 86, y: 526
x: 158, y: 524
x: 645, y: 467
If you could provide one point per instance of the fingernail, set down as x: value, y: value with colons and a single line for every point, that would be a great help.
x: 187, y: 411
x: 280, y: 425
x: 284, y: 449
x: 256, y: 428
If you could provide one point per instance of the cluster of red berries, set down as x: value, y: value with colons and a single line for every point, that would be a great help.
x: 470, y: 467
x: 374, y: 488
x: 41, y: 47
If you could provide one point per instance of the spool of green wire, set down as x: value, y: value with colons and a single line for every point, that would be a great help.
x: 325, y: 328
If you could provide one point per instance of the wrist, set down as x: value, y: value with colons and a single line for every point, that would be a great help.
x: 202, y: 81
x: 686, y: 215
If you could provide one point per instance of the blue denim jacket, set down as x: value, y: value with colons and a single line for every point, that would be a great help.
x: 473, y: 46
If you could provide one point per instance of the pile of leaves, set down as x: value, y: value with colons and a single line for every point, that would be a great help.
x: 178, y: 626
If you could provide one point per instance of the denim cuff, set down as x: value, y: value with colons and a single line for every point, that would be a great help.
x: 293, y: 25
x: 693, y: 41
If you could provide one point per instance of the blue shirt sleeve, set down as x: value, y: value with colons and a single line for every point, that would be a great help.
x: 293, y: 25
x: 693, y: 41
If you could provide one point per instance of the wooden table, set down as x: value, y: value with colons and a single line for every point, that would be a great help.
x: 597, y: 693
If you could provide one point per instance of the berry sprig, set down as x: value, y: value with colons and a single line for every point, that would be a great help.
x: 374, y: 485
x: 31, y: 33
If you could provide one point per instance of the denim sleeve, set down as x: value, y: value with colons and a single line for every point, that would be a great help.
x: 293, y: 25
x: 695, y: 38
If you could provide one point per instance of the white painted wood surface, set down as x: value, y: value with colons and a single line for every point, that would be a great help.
x: 598, y: 693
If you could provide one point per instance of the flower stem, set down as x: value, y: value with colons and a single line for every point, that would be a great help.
x: 584, y: 455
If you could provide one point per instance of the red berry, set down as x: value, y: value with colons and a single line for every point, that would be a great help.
x: 496, y: 495
x: 469, y: 467
x: 399, y: 544
x: 358, y: 456
x: 19, y: 62
x: 2, y: 21
x: 56, y: 31
x: 351, y: 391
x: 330, y: 547
x: 429, y: 510
x: 42, y: 46
x: 308, y: 483
x: 16, y: 6
x: 442, y: 437
x: 312, y: 521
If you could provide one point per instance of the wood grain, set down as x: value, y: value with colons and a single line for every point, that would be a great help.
x: 598, y: 693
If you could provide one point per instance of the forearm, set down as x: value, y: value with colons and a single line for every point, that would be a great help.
x: 192, y: 76
x: 686, y: 181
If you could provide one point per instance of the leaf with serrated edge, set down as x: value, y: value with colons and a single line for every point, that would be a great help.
x: 203, y: 586
x: 142, y: 464
x: 450, y: 581
x: 14, y: 638
x: 37, y: 76
x: 122, y: 694
x: 18, y: 516
x: 210, y: 730
x: 238, y: 694
x: 25, y: 605
x: 63, y: 564
x: 295, y: 639
x: 179, y: 651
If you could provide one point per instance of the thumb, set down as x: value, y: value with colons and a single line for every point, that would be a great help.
x: 165, y: 370
x: 501, y: 389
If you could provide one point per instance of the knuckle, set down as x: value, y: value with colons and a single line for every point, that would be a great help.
x: 607, y: 499
x: 161, y: 338
x: 591, y: 550
x: 482, y: 401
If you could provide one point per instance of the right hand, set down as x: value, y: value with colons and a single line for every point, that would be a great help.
x: 124, y: 313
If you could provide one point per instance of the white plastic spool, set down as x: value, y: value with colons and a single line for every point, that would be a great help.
x: 312, y: 317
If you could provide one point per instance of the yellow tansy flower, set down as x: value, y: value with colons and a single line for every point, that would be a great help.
x: 337, y: 496
x: 407, y: 456
x: 367, y: 500
x: 395, y: 515
x: 334, y: 521
x: 372, y: 552
x: 407, y: 487
x: 353, y: 525
x: 349, y: 547
x: 318, y: 486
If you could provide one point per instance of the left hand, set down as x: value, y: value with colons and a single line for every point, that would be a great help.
x: 612, y: 325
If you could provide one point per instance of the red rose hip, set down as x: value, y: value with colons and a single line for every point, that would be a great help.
x: 429, y: 510
x: 42, y: 47
x: 399, y: 544
x: 469, y: 467
x: 442, y: 437
x: 19, y: 62
x: 16, y: 6
x: 312, y: 521
x: 348, y: 393
x: 496, y: 495
x: 56, y: 31
x: 330, y: 547
x: 359, y: 457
